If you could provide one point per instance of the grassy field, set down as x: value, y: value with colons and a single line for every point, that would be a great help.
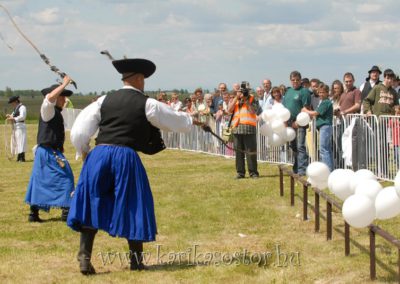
x: 212, y: 229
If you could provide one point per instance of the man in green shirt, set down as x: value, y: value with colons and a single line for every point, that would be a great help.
x: 297, y: 99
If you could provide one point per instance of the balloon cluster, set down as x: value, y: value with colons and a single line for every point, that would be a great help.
x: 274, y: 125
x: 364, y: 198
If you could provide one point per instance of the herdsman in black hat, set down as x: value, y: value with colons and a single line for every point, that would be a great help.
x: 18, y: 138
x: 113, y: 192
x: 52, y: 181
x: 370, y: 81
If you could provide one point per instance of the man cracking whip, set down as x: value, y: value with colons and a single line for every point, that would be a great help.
x: 113, y: 192
x: 52, y: 180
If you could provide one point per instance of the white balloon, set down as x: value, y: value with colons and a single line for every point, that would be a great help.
x: 266, y: 129
x: 290, y: 134
x: 318, y: 171
x: 333, y: 176
x: 366, y: 174
x: 277, y: 106
x: 369, y: 188
x: 358, y: 211
x: 318, y: 184
x: 303, y: 119
x: 340, y: 186
x: 387, y: 203
x: 268, y: 115
x: 276, y: 140
x: 277, y: 126
x: 283, y: 113
x: 397, y: 183
x: 361, y: 175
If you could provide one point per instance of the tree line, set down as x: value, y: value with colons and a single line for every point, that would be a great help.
x: 8, y: 92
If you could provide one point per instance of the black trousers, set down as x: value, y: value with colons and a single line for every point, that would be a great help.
x: 246, y: 142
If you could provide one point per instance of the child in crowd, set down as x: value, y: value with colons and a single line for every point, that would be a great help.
x: 324, y: 116
x: 276, y: 94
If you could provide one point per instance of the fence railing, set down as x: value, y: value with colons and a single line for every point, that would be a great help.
x: 358, y: 142
x: 331, y: 202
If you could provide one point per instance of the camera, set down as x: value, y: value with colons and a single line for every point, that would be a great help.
x: 245, y: 88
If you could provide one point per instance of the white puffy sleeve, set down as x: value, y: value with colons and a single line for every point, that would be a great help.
x: 164, y: 117
x: 85, y: 126
x: 47, y: 110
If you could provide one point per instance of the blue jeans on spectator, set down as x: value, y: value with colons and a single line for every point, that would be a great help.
x: 298, y: 146
x: 325, y: 145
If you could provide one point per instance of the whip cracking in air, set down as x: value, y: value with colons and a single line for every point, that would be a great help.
x: 42, y: 55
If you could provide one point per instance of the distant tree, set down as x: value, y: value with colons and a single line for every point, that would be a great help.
x: 8, y: 93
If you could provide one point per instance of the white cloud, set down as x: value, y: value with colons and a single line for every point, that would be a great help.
x: 48, y: 16
x: 369, y: 8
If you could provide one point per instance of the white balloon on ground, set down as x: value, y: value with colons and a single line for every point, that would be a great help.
x: 290, y: 134
x: 387, y: 203
x: 358, y: 211
x: 303, y: 119
x: 340, y: 185
x: 318, y: 171
x: 369, y: 188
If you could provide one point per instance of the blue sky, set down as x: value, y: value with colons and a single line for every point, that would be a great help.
x: 198, y: 43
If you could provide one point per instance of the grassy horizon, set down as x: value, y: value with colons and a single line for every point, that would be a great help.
x: 199, y: 206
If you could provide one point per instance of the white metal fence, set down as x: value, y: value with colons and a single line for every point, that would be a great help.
x: 358, y: 142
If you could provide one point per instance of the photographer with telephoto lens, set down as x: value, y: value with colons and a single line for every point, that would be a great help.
x: 245, y: 109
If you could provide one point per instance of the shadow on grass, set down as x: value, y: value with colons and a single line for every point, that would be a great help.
x: 340, y: 230
x: 53, y: 219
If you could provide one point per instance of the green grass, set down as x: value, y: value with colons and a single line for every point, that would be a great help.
x: 198, y: 204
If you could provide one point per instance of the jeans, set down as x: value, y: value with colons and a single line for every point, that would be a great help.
x: 325, y: 145
x: 298, y: 146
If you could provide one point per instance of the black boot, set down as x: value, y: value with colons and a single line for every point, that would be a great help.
x: 22, y: 159
x: 19, y: 158
x: 85, y: 251
x: 34, y: 215
x: 64, y: 214
x: 136, y: 255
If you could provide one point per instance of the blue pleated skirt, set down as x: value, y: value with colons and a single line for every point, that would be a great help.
x: 50, y: 185
x: 113, y: 194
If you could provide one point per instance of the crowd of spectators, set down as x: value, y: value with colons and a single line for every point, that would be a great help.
x: 377, y: 95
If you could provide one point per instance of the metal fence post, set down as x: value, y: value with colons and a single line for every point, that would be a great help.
x: 328, y: 220
x: 316, y: 212
x: 372, y: 264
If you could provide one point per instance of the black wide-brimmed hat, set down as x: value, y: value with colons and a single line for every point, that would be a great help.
x: 375, y: 68
x: 13, y: 99
x: 135, y: 65
x: 65, y: 93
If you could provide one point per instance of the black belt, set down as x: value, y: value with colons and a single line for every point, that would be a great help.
x: 50, y: 146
